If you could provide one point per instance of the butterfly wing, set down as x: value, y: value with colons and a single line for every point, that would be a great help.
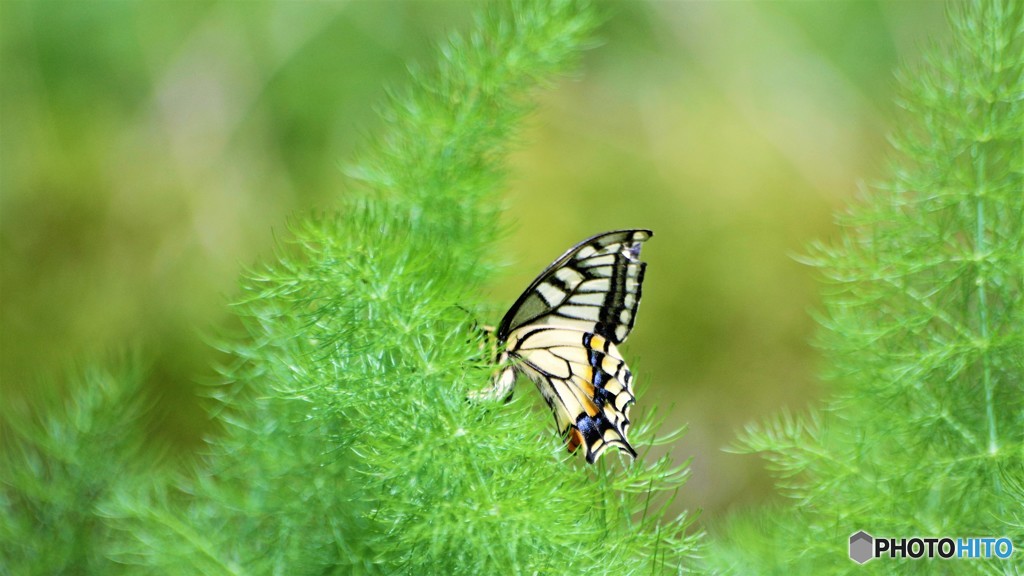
x: 584, y: 380
x: 594, y: 287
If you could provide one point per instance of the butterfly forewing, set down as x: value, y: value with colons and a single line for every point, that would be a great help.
x: 562, y: 333
x: 595, y: 286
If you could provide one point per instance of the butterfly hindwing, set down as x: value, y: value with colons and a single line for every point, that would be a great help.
x: 583, y: 379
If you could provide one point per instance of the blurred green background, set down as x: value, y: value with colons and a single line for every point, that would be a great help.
x: 151, y: 150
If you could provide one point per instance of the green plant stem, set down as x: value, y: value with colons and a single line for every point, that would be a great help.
x: 993, y: 441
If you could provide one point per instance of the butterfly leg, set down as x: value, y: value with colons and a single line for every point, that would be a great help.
x: 502, y: 383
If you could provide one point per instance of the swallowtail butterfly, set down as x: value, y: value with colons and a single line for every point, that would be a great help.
x: 562, y: 333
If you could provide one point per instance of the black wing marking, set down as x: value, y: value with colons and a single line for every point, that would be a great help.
x: 595, y: 287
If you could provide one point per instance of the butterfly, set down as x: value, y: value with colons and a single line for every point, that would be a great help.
x: 563, y: 333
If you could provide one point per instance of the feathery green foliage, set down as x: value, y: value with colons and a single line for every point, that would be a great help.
x: 923, y: 332
x: 349, y: 446
x: 60, y: 457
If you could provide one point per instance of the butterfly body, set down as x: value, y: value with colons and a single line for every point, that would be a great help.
x: 562, y: 333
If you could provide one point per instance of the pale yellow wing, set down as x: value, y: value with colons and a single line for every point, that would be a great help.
x: 584, y: 380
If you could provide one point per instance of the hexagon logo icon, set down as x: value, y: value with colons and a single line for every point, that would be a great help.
x: 861, y: 547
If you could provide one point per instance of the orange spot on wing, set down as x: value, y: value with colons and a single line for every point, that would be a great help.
x: 575, y: 439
